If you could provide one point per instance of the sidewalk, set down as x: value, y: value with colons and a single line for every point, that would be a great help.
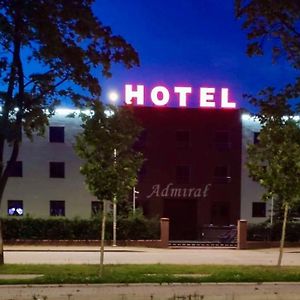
x: 133, y: 255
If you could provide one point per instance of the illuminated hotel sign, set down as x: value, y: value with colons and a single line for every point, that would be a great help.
x: 160, y: 96
x: 171, y: 191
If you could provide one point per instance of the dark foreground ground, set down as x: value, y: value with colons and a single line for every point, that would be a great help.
x: 244, y: 291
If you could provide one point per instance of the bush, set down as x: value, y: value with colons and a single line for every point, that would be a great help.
x: 265, y: 232
x: 132, y: 227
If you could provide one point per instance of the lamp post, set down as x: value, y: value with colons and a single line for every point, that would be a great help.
x: 115, y: 208
x: 134, y: 192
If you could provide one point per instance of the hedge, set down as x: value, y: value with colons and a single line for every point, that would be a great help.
x: 130, y: 228
x: 265, y: 232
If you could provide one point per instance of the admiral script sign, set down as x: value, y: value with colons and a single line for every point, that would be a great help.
x: 160, y: 96
x: 171, y: 191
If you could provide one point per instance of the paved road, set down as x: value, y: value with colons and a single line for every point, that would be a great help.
x: 129, y: 255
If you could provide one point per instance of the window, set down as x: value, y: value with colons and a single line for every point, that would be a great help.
x: 56, y: 134
x: 96, y: 208
x: 142, y: 140
x: 221, y: 174
x: 16, y: 170
x: 222, y: 140
x: 57, y: 169
x: 182, y: 174
x: 182, y: 139
x: 255, y: 137
x: 15, y: 208
x: 57, y: 208
x: 258, y: 209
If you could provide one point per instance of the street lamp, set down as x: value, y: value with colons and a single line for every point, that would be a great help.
x: 134, y: 192
x: 115, y: 208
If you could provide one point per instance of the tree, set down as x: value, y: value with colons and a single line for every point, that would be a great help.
x: 274, y: 26
x: 274, y: 161
x: 65, y: 43
x: 110, y: 162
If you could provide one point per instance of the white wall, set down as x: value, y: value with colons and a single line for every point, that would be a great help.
x: 36, y: 189
x: 250, y: 191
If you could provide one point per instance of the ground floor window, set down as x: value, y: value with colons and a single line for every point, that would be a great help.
x: 57, y: 208
x: 258, y: 209
x: 15, y: 208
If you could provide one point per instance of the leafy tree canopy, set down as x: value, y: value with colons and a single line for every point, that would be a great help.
x: 106, y: 146
x: 275, y: 22
x: 50, y: 51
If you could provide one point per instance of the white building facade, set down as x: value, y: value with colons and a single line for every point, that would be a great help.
x: 47, y: 181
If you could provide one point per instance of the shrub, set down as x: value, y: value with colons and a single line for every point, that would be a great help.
x: 132, y: 227
x: 265, y: 232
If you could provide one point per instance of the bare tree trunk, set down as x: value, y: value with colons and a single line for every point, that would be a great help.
x: 286, y: 209
x: 102, y: 239
x: 1, y: 244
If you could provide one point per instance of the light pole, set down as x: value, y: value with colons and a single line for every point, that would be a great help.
x: 134, y: 198
x: 113, y: 96
x: 115, y: 208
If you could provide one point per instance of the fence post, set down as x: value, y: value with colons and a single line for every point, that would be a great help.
x: 242, y: 234
x: 164, y: 232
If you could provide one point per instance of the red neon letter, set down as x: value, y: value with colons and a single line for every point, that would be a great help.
x: 165, y: 95
x: 182, y: 91
x: 224, y: 100
x: 138, y: 94
x: 207, y: 97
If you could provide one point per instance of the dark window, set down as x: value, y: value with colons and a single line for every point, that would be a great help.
x: 96, y: 208
x: 221, y: 174
x: 255, y: 137
x: 56, y: 134
x: 222, y: 141
x: 182, y: 139
x: 16, y: 170
x: 258, y: 209
x: 182, y: 174
x: 142, y: 140
x: 57, y: 208
x: 57, y: 169
x: 142, y: 172
x: 15, y: 208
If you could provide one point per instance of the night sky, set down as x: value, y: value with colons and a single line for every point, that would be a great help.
x: 194, y: 43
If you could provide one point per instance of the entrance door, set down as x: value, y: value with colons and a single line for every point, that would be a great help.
x: 183, y: 218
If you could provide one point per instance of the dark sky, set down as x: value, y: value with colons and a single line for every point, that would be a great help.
x: 188, y: 42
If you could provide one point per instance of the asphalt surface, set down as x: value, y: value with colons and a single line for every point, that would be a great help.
x: 131, y: 255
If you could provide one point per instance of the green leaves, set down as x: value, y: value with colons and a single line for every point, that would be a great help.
x: 106, y: 146
x: 272, y: 24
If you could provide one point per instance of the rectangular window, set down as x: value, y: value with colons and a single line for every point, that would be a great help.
x: 57, y: 208
x: 56, y: 134
x: 258, y: 209
x: 96, y: 208
x: 182, y: 139
x: 57, y: 169
x: 17, y: 169
x: 222, y: 140
x: 15, y: 208
x: 221, y: 174
x: 182, y: 174
x: 255, y: 137
x: 142, y: 140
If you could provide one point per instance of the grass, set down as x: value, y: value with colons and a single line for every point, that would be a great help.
x: 60, y: 274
